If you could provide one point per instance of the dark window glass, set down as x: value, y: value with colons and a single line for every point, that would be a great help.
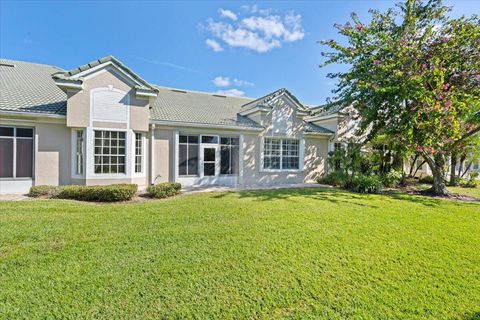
x: 225, y: 160
x: 109, y: 152
x: 193, y: 139
x: 193, y: 159
x: 6, y: 131
x: 209, y: 139
x: 225, y: 141
x: 6, y: 158
x: 182, y: 159
x: 209, y: 169
x: 183, y: 139
x: 25, y: 132
x: 235, y: 141
x: 209, y: 154
x: 234, y: 160
x: 24, y: 158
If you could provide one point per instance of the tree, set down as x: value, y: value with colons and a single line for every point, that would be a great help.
x: 414, y: 76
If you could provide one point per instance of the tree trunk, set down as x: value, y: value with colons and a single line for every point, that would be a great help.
x: 453, y: 163
x: 439, y: 187
x: 412, y: 165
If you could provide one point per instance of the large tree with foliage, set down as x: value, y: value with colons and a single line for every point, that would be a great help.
x: 414, y: 75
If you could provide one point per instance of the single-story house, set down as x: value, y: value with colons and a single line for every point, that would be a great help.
x: 101, y: 123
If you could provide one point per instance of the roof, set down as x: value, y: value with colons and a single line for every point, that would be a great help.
x: 327, y: 109
x: 67, y: 75
x: 200, y: 107
x: 262, y: 101
x: 29, y: 87
x: 313, y: 128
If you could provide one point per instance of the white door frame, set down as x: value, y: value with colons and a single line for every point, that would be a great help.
x: 203, y: 177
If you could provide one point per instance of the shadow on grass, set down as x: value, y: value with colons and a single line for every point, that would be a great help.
x: 472, y: 316
x: 338, y: 196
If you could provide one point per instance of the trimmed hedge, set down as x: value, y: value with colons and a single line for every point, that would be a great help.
x: 164, y: 190
x: 107, y: 193
x: 44, y: 191
x: 335, y: 178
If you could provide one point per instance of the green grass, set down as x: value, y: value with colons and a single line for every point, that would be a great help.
x: 314, y: 253
x: 471, y: 192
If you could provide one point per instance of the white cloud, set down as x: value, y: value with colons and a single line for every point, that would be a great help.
x: 242, y: 83
x: 261, y: 32
x: 221, y: 81
x: 227, y: 14
x: 214, y: 45
x: 232, y: 92
x: 227, y: 82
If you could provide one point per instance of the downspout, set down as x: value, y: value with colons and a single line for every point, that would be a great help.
x: 152, y: 154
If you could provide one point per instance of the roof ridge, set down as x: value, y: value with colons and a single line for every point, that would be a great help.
x: 199, y: 92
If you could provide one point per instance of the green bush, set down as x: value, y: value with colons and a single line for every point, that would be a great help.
x: 392, y: 179
x: 426, y: 179
x: 335, y: 178
x: 164, y: 190
x: 108, y: 193
x: 364, y: 184
x: 472, y: 182
x: 44, y: 191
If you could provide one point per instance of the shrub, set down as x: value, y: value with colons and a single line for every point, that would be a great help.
x: 364, y: 184
x: 164, y: 190
x: 472, y: 182
x: 392, y: 179
x: 335, y: 178
x: 426, y: 179
x: 108, y: 193
x: 44, y: 191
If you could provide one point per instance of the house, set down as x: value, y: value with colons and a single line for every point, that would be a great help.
x: 101, y: 123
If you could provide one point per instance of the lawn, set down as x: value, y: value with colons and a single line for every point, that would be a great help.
x: 314, y: 253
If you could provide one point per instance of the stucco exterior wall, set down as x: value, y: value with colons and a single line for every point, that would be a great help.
x: 78, y: 103
x: 163, y: 163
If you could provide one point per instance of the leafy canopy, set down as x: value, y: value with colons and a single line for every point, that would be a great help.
x: 414, y: 74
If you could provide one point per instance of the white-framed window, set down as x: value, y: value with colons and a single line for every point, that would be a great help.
x: 109, y: 152
x: 16, y: 152
x: 138, y: 152
x: 188, y: 149
x: 229, y: 155
x: 79, y: 151
x: 281, y: 154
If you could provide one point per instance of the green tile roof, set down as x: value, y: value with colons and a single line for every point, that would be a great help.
x: 200, y: 107
x: 28, y: 87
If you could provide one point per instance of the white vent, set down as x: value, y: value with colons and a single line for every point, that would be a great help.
x: 110, y: 106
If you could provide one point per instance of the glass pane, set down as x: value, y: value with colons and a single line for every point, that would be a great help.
x: 193, y: 139
x: 234, y: 160
x: 25, y: 132
x: 114, y: 168
x: 235, y: 141
x: 121, y: 135
x: 209, y: 139
x: 98, y: 134
x: 24, y: 158
x: 182, y: 160
x: 6, y: 157
x: 225, y: 141
x: 6, y: 131
x: 98, y: 142
x: 193, y: 160
x: 183, y: 139
x: 209, y: 169
x: 225, y: 160
x: 209, y: 154
x: 98, y: 168
x: 121, y: 169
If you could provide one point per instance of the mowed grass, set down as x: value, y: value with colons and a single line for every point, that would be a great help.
x: 313, y: 253
x: 471, y: 192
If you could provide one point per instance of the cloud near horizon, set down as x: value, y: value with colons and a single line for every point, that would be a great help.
x: 232, y: 92
x: 260, y: 30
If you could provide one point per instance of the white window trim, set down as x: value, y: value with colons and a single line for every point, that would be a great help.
x: 143, y: 139
x: 301, y: 155
x: 74, y: 174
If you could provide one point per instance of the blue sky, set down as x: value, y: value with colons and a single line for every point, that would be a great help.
x: 249, y: 48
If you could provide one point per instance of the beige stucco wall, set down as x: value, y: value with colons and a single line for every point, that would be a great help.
x: 52, y: 149
x: 163, y: 163
x: 78, y: 103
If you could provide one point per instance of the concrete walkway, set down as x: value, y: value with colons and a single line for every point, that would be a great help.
x: 186, y: 190
x: 12, y: 197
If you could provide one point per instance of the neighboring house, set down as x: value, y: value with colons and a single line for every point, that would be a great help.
x: 103, y: 124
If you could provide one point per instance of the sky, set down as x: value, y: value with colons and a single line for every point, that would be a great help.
x: 234, y: 47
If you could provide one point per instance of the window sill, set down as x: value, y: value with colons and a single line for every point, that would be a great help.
x: 16, y: 179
